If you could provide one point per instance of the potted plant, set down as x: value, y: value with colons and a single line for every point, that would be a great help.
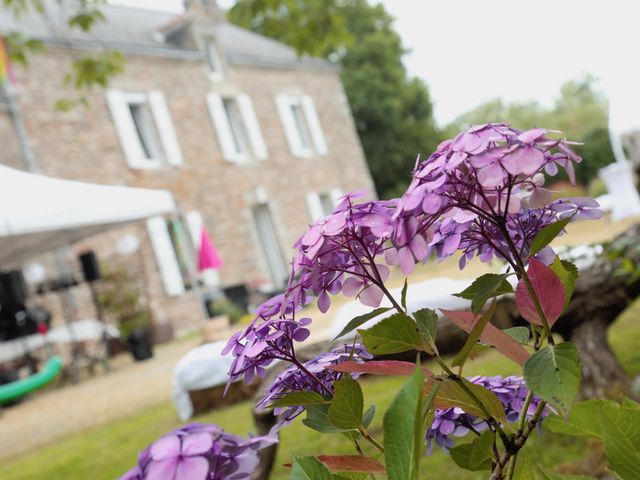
x: 121, y: 299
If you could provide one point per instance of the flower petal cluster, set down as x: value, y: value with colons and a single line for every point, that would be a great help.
x: 312, y: 376
x: 269, y: 337
x: 483, y: 190
x: 455, y: 422
x: 338, y: 253
x: 199, y: 452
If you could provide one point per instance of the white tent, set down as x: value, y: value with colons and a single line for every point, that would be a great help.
x: 40, y: 213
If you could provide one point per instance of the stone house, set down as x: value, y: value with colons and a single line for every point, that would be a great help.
x: 253, y: 141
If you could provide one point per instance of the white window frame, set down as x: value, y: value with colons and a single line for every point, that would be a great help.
x: 256, y: 148
x: 318, y: 207
x: 166, y: 141
x: 294, y: 131
x: 214, y: 64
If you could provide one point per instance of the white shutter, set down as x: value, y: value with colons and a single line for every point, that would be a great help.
x: 165, y: 256
x: 222, y: 127
x: 314, y: 206
x: 314, y: 125
x: 167, y: 133
x: 336, y: 194
x: 127, y: 133
x: 283, y: 102
x: 253, y: 127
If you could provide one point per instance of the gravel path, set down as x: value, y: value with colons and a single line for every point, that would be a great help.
x: 130, y: 387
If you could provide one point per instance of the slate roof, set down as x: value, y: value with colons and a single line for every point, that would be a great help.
x: 135, y: 30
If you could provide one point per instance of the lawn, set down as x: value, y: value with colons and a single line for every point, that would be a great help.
x: 107, y: 451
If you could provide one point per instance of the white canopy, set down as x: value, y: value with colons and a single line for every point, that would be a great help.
x: 40, y: 213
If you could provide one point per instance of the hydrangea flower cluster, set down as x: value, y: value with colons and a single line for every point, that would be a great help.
x: 455, y: 422
x: 338, y: 253
x: 314, y: 376
x: 199, y: 452
x: 482, y: 193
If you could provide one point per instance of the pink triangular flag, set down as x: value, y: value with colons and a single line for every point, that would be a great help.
x: 208, y: 256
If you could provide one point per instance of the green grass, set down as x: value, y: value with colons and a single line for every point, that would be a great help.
x: 107, y: 451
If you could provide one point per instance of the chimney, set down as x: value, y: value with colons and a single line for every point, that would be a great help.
x: 206, y: 7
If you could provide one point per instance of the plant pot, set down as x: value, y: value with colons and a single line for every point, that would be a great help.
x: 140, y: 345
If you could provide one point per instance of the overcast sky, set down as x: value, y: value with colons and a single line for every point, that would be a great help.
x: 469, y: 51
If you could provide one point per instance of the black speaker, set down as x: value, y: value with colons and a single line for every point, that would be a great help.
x: 90, y: 266
x: 13, y: 290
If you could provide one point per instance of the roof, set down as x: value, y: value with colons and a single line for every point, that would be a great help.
x: 140, y: 31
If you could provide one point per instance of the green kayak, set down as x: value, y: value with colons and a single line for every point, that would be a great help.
x: 19, y: 388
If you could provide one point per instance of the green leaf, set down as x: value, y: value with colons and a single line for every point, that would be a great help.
x: 395, y: 334
x: 473, y: 337
x: 299, y: 398
x: 623, y: 456
x: 519, y: 334
x: 547, y: 234
x: 308, y: 468
x: 427, y: 321
x: 552, y: 476
x: 483, y: 288
x: 453, y: 394
x: 582, y: 421
x: 367, y: 418
x: 403, y: 295
x: 359, y: 320
x: 318, y: 420
x: 347, y: 406
x: 553, y: 373
x: 403, y: 430
x: 524, y: 468
x: 568, y: 274
x: 476, y: 455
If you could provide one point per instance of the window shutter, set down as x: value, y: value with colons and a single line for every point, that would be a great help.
x: 283, y: 102
x: 314, y: 125
x: 253, y: 127
x: 125, y: 129
x: 167, y: 133
x: 336, y: 194
x: 221, y: 125
x: 165, y: 256
x: 314, y: 206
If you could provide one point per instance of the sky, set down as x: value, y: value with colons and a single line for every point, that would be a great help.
x: 470, y: 51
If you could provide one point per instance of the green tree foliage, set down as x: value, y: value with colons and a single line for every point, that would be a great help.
x: 393, y: 112
x: 580, y: 112
x: 87, y: 70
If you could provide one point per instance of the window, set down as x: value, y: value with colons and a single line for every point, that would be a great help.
x: 322, y: 204
x: 237, y: 128
x: 145, y: 129
x: 213, y: 62
x: 270, y: 245
x: 301, y: 125
x: 174, y: 244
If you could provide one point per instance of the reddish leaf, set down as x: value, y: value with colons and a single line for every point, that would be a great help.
x: 352, y: 463
x: 491, y: 335
x: 380, y: 367
x: 548, y: 288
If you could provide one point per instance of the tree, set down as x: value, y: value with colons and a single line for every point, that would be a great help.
x: 580, y: 112
x: 392, y: 112
x: 87, y: 70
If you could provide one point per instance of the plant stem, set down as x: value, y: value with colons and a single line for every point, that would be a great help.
x: 363, y: 431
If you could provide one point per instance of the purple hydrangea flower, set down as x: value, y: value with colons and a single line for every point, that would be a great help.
x: 481, y: 186
x: 313, y: 377
x: 455, y: 422
x: 199, y: 452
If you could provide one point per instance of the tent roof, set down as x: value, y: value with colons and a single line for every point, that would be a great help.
x: 40, y: 213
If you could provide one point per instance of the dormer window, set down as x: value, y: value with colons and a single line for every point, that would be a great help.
x: 213, y: 62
